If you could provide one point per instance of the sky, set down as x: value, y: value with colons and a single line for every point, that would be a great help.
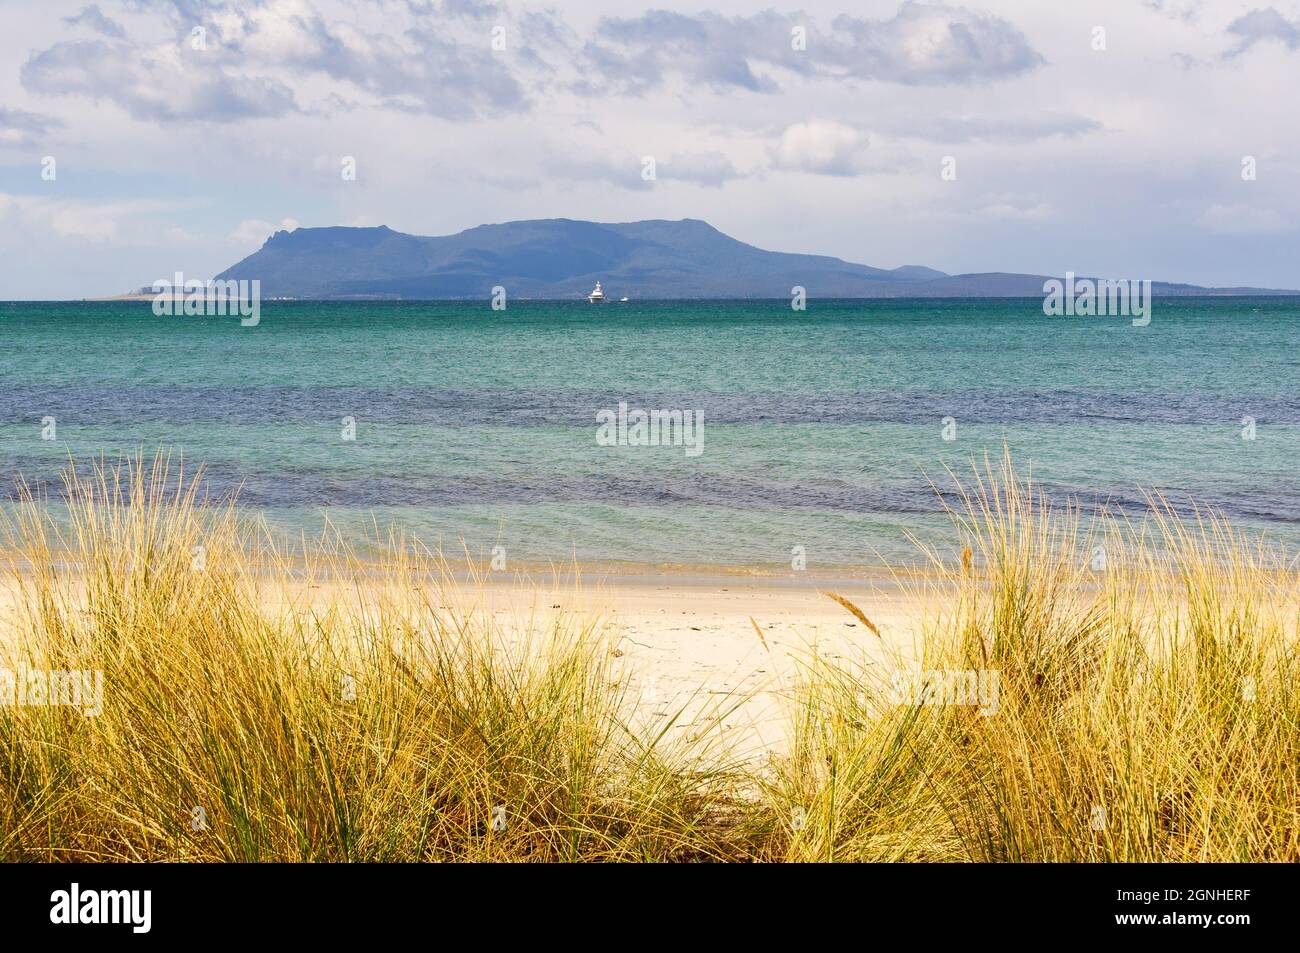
x: 1146, y: 139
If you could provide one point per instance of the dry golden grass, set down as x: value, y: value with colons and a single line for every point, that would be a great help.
x: 1148, y: 705
x: 854, y: 611
x: 381, y: 726
x: 1147, y: 709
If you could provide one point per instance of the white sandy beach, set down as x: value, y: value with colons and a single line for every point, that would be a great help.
x: 690, y: 641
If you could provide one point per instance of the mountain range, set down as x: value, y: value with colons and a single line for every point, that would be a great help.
x: 561, y: 258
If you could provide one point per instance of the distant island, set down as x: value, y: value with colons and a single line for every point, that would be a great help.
x: 561, y: 258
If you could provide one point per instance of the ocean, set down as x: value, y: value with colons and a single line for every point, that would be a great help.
x: 830, y: 429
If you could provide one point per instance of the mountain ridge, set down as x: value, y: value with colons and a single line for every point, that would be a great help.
x: 561, y: 258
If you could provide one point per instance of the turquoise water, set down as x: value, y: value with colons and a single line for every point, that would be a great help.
x: 820, y: 427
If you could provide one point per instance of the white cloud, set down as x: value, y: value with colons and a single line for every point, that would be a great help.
x: 922, y: 44
x: 77, y: 219
x: 439, y: 65
x: 933, y: 43
x: 252, y: 231
x: 20, y: 129
x: 93, y: 18
x: 1177, y: 9
x: 821, y: 147
x: 710, y: 168
x: 1261, y: 25
x: 163, y: 83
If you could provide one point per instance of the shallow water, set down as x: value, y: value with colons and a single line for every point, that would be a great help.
x: 820, y: 427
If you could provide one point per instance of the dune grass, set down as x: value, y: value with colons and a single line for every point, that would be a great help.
x: 245, y: 720
x: 1148, y: 702
x: 262, y: 704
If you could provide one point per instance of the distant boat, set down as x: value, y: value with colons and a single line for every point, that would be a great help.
x: 597, y: 296
x: 624, y: 298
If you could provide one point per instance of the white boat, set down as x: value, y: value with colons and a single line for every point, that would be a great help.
x: 624, y: 298
x: 597, y: 296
